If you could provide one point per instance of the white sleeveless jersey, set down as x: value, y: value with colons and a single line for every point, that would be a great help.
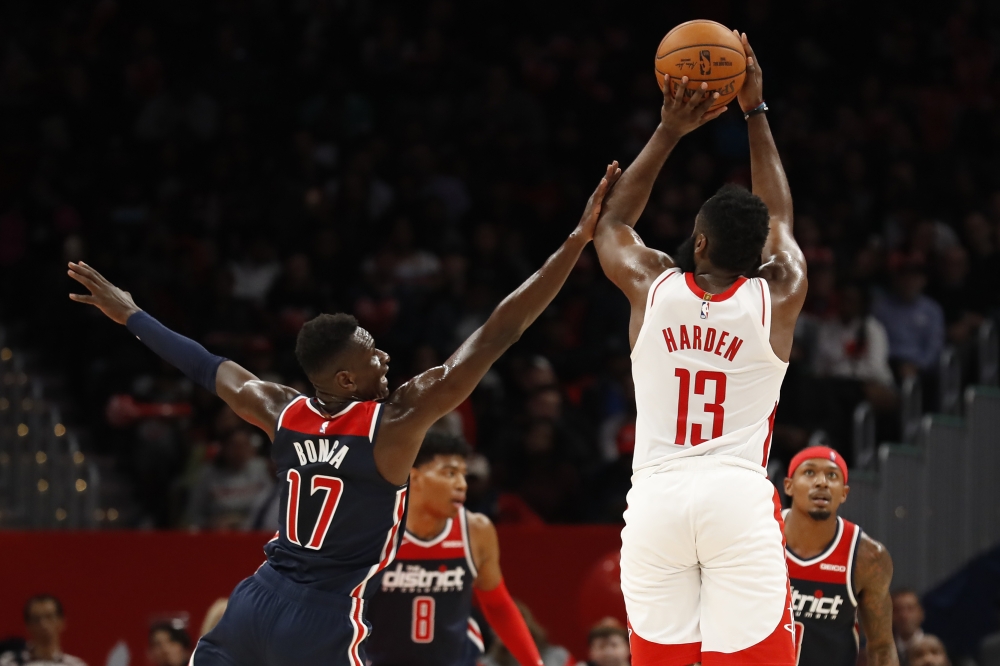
x: 706, y: 378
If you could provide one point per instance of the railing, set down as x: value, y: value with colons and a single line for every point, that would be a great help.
x: 865, y: 453
x: 988, y: 349
x: 911, y: 409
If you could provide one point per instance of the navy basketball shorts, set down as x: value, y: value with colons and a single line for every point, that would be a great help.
x: 271, y: 621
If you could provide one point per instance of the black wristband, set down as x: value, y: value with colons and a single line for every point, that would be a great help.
x: 760, y: 108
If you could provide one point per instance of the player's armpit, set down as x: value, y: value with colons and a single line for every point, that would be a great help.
x: 256, y: 402
x: 873, y: 577
x: 626, y: 260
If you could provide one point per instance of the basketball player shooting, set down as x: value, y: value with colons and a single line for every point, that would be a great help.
x: 343, y: 459
x: 448, y: 555
x: 702, y: 567
x: 837, y: 572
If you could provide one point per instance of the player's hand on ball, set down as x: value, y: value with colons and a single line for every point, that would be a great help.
x: 682, y: 113
x: 109, y: 299
x: 752, y: 92
x: 592, y: 211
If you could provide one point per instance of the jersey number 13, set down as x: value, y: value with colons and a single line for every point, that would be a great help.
x: 715, y: 408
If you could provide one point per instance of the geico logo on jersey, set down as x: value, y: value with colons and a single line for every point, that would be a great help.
x: 833, y: 567
x: 414, y: 578
x: 816, y: 605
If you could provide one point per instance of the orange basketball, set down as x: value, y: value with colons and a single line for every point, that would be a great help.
x: 703, y: 51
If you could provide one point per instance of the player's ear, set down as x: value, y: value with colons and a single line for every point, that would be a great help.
x: 847, y: 489
x: 788, y: 486
x: 344, y: 379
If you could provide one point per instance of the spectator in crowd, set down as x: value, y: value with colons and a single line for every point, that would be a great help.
x: 552, y: 655
x: 607, y: 644
x: 214, y: 614
x: 927, y: 650
x: 913, y: 322
x: 851, y: 362
x: 230, y: 487
x: 169, y: 644
x: 45, y: 622
x: 907, y: 618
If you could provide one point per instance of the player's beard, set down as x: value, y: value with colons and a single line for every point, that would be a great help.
x: 684, y: 256
x: 819, y: 515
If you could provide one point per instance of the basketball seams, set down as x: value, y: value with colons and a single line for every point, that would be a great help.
x: 698, y: 46
x: 691, y: 80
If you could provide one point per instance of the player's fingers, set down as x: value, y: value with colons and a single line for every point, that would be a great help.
x: 83, y: 298
x: 681, y: 90
x: 83, y: 279
x: 94, y: 272
x: 746, y: 45
x: 697, y: 95
x: 712, y: 115
x: 706, y: 103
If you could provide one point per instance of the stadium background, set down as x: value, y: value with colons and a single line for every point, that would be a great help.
x: 240, y: 166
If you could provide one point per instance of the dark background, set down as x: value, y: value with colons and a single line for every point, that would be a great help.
x: 240, y: 167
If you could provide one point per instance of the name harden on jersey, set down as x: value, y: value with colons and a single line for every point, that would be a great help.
x: 414, y: 578
x: 816, y: 606
x: 714, y: 342
x: 309, y: 452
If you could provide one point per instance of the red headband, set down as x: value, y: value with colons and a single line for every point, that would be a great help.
x: 813, y: 452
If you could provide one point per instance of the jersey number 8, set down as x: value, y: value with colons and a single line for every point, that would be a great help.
x: 422, y: 629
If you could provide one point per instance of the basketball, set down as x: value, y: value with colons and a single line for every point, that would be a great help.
x: 703, y: 51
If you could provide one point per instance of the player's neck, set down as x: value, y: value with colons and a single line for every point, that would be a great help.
x: 807, y: 537
x: 45, y: 651
x: 423, y: 524
x: 714, y: 280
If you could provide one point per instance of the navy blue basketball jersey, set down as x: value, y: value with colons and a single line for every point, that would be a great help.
x: 340, y: 521
x: 421, y: 614
x: 824, y: 602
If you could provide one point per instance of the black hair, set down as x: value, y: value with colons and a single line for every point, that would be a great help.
x: 38, y: 598
x: 900, y: 591
x: 606, y: 631
x: 439, y: 444
x: 321, y: 339
x: 736, y: 222
x: 176, y: 633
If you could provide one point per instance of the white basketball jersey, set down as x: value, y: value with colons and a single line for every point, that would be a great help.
x: 706, y: 378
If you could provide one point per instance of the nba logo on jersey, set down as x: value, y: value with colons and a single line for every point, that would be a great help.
x: 322, y: 428
x: 704, y: 309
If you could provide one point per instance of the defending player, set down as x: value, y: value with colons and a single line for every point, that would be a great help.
x: 837, y: 571
x: 703, y: 566
x: 421, y: 612
x: 343, y: 460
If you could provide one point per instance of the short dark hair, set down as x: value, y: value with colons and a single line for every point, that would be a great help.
x: 606, y: 631
x: 900, y: 591
x: 38, y: 598
x: 439, y: 444
x: 321, y: 339
x: 172, y: 629
x: 736, y: 223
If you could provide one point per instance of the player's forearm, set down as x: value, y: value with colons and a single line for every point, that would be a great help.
x: 628, y: 199
x: 196, y: 362
x: 882, y: 653
x: 516, y: 312
x: 767, y: 173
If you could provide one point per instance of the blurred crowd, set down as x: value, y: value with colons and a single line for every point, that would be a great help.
x: 170, y: 642
x: 242, y: 166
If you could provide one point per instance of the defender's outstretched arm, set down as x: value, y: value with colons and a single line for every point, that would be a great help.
x: 416, y: 405
x: 255, y: 401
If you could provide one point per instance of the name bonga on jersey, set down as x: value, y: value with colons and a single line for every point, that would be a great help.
x: 321, y: 451
x: 414, y: 578
x: 816, y: 606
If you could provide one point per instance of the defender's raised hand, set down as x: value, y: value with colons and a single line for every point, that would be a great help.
x: 592, y: 211
x: 112, y: 301
x: 752, y: 92
x: 679, y: 115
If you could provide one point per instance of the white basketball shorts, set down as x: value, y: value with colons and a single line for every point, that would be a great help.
x: 703, y: 565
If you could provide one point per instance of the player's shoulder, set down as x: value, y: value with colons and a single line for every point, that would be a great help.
x: 872, y: 562
x: 479, y: 524
x: 70, y: 660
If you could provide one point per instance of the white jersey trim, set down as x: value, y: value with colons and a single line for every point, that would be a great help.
x: 282, y: 414
x: 825, y: 554
x: 371, y: 428
x: 660, y: 279
x: 850, y: 565
x: 349, y: 407
x: 765, y: 329
x: 464, y: 523
x: 433, y: 542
